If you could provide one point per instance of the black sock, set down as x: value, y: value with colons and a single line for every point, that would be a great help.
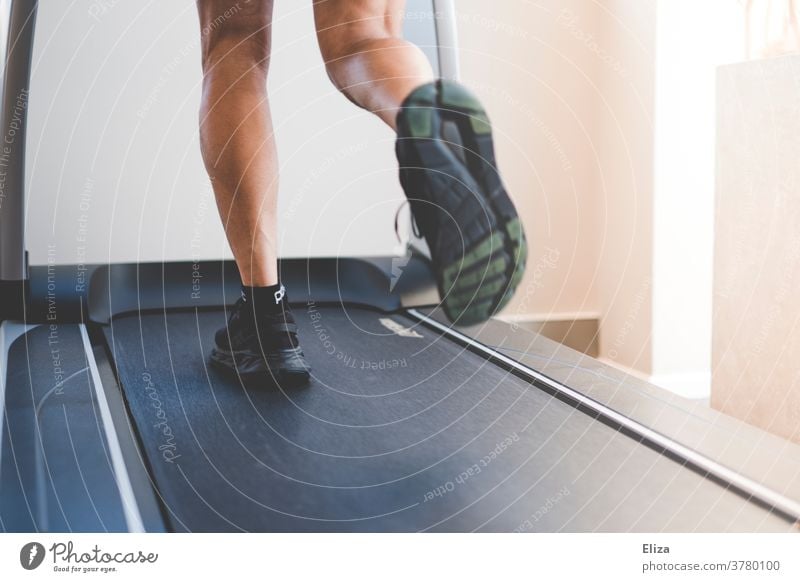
x: 265, y: 299
x: 269, y: 301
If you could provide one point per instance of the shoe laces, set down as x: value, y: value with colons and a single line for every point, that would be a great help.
x: 264, y: 323
x: 414, y: 227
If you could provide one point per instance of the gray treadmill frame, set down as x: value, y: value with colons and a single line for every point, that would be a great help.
x: 17, y: 22
x: 758, y: 465
x: 447, y: 39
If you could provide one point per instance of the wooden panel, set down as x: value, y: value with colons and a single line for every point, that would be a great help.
x: 756, y: 336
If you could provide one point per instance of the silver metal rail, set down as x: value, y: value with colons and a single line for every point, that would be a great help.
x: 17, y: 20
x: 447, y: 39
x: 727, y: 477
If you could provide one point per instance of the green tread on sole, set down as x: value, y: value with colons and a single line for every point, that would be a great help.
x: 520, y: 258
x: 424, y: 96
x: 487, y: 291
x: 516, y: 278
x: 515, y: 231
x: 521, y: 254
x: 469, y: 302
x: 480, y: 124
x: 420, y: 122
x: 478, y: 253
x: 458, y: 96
x: 493, y: 268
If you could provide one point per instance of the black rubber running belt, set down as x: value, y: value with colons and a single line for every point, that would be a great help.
x: 396, y: 433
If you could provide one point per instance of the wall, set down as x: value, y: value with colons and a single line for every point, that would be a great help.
x: 114, y: 170
x: 570, y: 88
x: 538, y: 84
x: 683, y: 230
x: 624, y: 180
x: 605, y: 112
x: 757, y: 266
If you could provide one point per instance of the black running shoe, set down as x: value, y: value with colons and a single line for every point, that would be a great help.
x: 449, y: 174
x: 261, y: 346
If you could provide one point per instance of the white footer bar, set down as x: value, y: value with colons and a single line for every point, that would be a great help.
x: 403, y: 557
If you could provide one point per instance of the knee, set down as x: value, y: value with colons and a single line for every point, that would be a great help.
x: 238, y: 48
x: 344, y: 43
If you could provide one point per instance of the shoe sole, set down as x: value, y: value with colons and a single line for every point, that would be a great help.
x: 284, y: 377
x: 482, y: 280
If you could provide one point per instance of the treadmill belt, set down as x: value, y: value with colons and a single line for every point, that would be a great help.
x: 400, y: 430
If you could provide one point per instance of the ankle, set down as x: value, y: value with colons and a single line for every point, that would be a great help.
x: 268, y: 299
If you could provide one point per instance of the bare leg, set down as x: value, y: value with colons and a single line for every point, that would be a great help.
x: 475, y: 237
x: 236, y: 135
x: 366, y: 56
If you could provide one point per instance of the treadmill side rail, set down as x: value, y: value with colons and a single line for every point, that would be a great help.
x: 758, y: 465
x: 60, y: 467
x: 16, y: 40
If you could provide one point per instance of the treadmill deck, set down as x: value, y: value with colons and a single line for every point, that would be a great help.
x: 400, y: 430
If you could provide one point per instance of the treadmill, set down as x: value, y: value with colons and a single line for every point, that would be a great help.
x: 113, y: 420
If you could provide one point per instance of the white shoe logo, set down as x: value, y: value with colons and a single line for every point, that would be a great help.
x: 279, y: 294
x: 397, y: 328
